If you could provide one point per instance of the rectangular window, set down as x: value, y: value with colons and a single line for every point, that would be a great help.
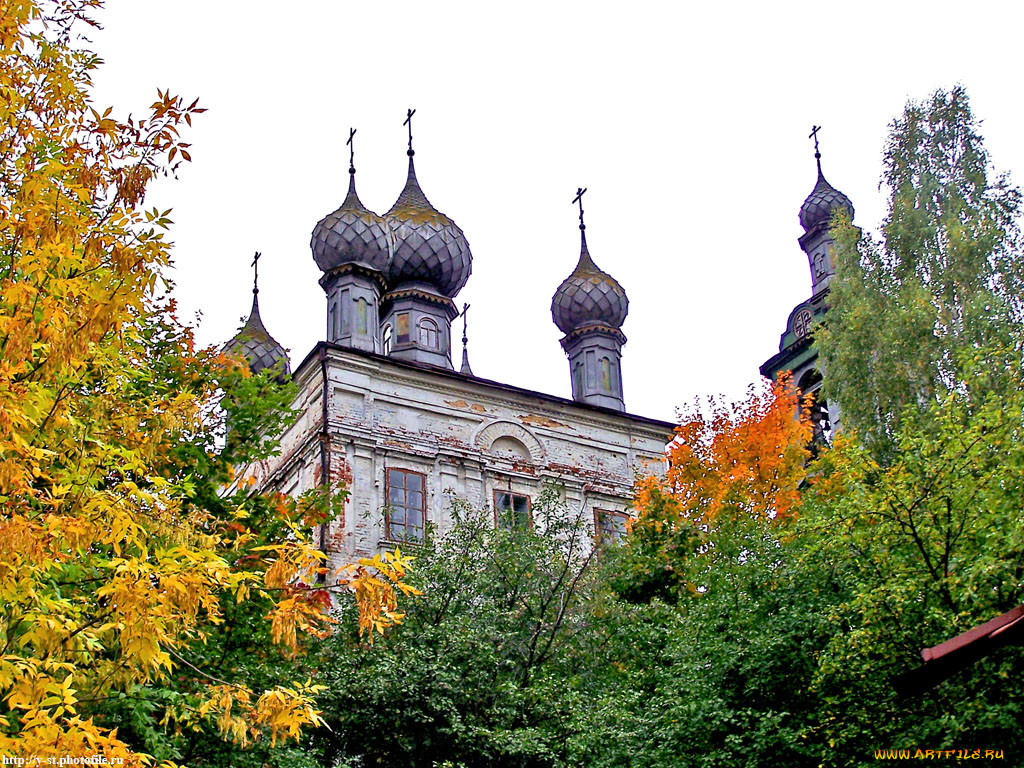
x: 512, y: 510
x: 406, y: 505
x: 402, y: 329
x: 610, y: 526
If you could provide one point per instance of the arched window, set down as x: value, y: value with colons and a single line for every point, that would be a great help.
x: 360, y: 315
x: 385, y: 344
x: 810, y: 384
x: 430, y: 337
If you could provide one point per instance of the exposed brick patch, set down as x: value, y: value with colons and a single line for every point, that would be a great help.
x: 542, y: 421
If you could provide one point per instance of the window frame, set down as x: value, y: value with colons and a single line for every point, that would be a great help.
x: 426, y: 329
x: 616, y: 538
x: 388, y: 507
x: 529, y: 510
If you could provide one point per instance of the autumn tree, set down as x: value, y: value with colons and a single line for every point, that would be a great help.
x: 117, y: 552
x: 734, y: 470
x: 797, y: 603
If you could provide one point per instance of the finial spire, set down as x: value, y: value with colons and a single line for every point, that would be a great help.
x: 817, y: 152
x: 408, y: 121
x: 256, y: 273
x: 465, y: 350
x: 579, y: 199
x: 585, y: 262
x: 351, y: 151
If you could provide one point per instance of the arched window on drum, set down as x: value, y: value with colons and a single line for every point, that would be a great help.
x: 430, y: 337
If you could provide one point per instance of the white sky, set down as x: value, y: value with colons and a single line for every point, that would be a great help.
x: 687, y: 122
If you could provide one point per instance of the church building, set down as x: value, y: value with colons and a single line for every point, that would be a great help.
x: 384, y: 410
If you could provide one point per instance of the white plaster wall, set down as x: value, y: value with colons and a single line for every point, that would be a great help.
x: 382, y: 414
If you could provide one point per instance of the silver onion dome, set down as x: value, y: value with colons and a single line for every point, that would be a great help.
x: 823, y: 200
x: 588, y: 296
x: 257, y: 346
x: 350, y: 235
x: 428, y: 246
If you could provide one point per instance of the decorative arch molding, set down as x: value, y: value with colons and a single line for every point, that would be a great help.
x: 496, y: 429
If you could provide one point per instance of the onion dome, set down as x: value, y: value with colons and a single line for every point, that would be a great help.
x: 823, y: 200
x: 428, y: 246
x: 588, y: 296
x: 255, y: 344
x: 350, y: 235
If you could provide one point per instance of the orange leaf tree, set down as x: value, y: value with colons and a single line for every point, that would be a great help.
x: 116, y: 549
x: 734, y: 470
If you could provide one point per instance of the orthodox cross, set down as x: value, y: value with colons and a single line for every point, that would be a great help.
x: 256, y: 272
x: 351, y: 150
x: 814, y: 135
x: 408, y: 121
x: 465, y: 308
x: 579, y: 199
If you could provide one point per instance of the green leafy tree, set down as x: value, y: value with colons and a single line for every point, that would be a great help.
x: 929, y: 545
x: 488, y: 666
x: 918, y: 504
x: 944, y: 282
x: 724, y: 678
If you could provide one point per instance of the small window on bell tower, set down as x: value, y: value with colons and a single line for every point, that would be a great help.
x: 429, y: 335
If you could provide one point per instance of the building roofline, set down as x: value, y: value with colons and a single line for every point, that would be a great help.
x: 457, y: 376
x: 776, y: 362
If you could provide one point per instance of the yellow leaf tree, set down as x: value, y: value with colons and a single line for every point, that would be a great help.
x: 117, y: 550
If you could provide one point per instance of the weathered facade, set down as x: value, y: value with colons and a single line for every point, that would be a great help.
x: 384, y: 411
x: 395, y: 429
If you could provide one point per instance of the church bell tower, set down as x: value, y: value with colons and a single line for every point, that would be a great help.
x: 590, y: 307
x: 796, y: 347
